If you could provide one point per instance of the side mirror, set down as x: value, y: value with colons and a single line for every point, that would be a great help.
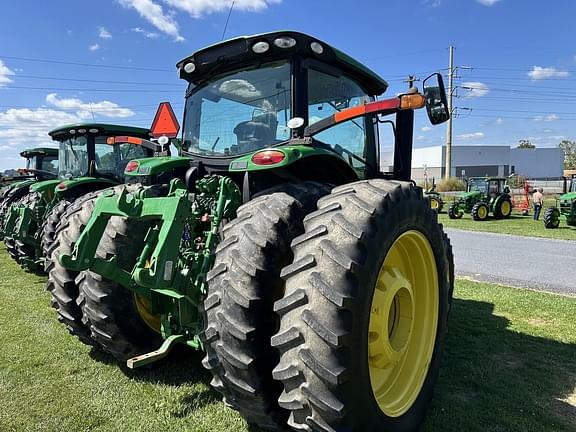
x: 436, y: 101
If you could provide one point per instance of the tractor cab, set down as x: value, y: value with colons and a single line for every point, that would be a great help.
x: 90, y: 150
x: 312, y: 108
x: 41, y: 162
x: 488, y: 186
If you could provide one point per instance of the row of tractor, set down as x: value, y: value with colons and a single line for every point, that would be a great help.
x: 485, y: 196
x: 317, y: 285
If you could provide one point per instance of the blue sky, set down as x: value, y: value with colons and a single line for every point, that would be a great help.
x: 114, y: 59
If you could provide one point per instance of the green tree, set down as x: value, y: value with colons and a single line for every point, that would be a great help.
x: 569, y: 148
x: 525, y: 144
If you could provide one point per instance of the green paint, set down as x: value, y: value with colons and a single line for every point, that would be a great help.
x: 293, y: 153
x: 157, y: 165
x: 171, y: 270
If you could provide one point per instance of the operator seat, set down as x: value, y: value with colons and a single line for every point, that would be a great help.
x: 257, y: 133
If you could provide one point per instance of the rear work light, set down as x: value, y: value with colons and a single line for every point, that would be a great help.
x: 132, y: 166
x: 268, y: 157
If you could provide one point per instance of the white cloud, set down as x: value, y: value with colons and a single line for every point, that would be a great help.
x: 546, y: 118
x: 197, y: 8
x: 488, y: 2
x: 475, y: 89
x: 426, y: 129
x: 5, y: 74
x: 94, y: 47
x: 499, y: 121
x: 538, y: 73
x: 149, y: 35
x: 471, y: 136
x: 155, y: 15
x: 432, y: 3
x: 84, y: 109
x: 103, y: 33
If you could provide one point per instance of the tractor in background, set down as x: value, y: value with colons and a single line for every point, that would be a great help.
x: 41, y: 164
x: 484, y: 195
x: 565, y: 208
x: 434, y: 197
x: 317, y: 285
x: 89, y: 160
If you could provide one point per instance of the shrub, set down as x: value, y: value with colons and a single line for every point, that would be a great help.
x: 450, y: 184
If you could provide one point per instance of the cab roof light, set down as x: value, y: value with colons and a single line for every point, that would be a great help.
x: 268, y: 157
x: 285, y: 42
x: 260, y: 47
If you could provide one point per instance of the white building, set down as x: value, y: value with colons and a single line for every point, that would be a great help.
x: 474, y: 161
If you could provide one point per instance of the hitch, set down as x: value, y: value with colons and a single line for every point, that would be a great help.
x: 154, y: 356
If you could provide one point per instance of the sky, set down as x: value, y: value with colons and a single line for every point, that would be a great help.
x: 113, y: 61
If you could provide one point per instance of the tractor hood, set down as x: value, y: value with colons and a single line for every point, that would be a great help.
x: 468, y: 195
x: 568, y: 196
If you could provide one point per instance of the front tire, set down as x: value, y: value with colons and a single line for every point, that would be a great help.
x: 503, y: 207
x: 552, y: 218
x: 369, y: 255
x: 454, y: 212
x: 436, y: 203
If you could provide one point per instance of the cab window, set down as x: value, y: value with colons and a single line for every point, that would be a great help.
x: 329, y: 94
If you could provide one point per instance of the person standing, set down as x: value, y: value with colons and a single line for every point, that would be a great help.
x: 538, y: 200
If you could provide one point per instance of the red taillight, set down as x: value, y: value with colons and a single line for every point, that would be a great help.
x: 268, y: 157
x: 132, y: 166
x: 61, y: 186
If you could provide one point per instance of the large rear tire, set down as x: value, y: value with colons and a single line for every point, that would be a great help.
x: 552, y: 218
x: 365, y: 311
x: 480, y: 211
x: 503, y: 207
x: 61, y: 281
x: 49, y: 227
x: 242, y: 288
x: 120, y: 321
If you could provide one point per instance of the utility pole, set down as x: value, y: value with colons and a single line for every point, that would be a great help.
x: 448, y: 161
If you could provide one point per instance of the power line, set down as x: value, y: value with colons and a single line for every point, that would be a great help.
x: 95, y: 81
x: 94, y: 90
x: 29, y: 59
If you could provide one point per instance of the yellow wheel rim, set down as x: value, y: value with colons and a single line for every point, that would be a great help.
x: 433, y: 203
x: 403, y: 323
x: 505, y: 208
x: 482, y: 212
x: 144, y: 308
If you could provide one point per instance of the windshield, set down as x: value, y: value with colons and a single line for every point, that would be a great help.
x: 111, y: 160
x: 50, y: 164
x: 73, y: 157
x: 240, y: 112
x: 478, y: 185
x: 31, y: 163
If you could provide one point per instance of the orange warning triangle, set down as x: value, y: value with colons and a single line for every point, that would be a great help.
x: 165, y: 122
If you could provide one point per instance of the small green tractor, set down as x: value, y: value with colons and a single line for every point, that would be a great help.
x: 484, y: 195
x: 41, y: 164
x: 434, y: 197
x: 565, y: 208
x: 317, y: 285
x: 88, y: 161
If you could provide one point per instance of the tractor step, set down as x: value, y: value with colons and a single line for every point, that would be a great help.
x: 154, y: 356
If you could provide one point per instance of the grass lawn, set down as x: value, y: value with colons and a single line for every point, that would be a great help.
x: 510, y: 365
x: 517, y: 224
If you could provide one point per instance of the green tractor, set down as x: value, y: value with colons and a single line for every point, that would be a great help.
x: 41, y: 164
x: 484, y: 195
x: 88, y: 161
x: 318, y: 286
x: 565, y: 208
x: 434, y: 197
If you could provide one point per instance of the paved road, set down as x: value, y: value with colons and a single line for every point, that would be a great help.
x: 542, y: 264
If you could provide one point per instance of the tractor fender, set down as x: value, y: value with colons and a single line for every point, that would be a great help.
x: 303, y: 163
x: 156, y: 165
x: 81, y: 186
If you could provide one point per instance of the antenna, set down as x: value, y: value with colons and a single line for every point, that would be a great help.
x: 91, y: 111
x: 227, y: 19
